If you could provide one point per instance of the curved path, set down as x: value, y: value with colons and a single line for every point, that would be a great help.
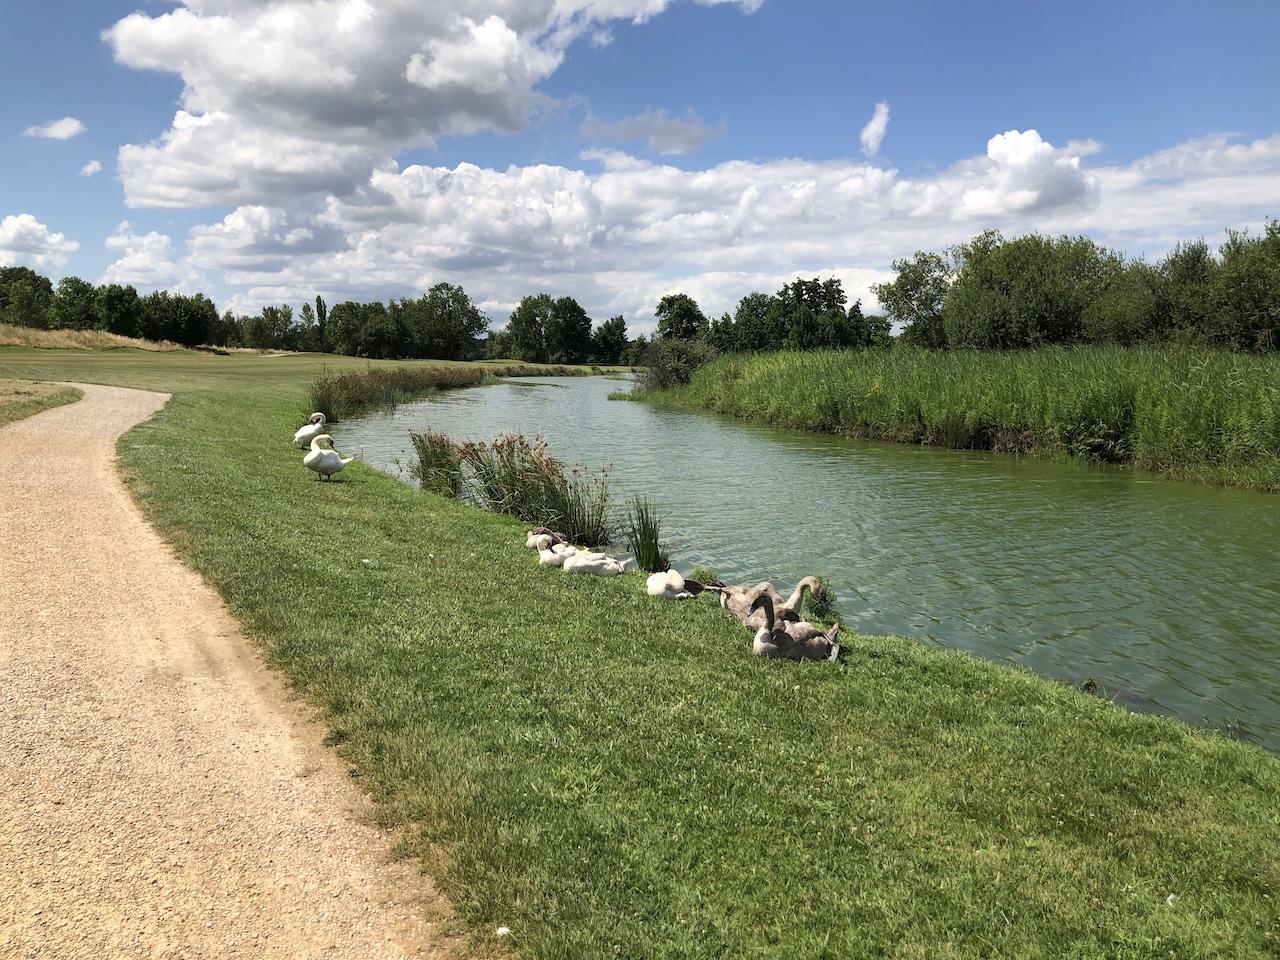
x: 160, y: 796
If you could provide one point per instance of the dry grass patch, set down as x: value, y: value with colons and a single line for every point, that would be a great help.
x: 11, y: 336
x: 22, y: 398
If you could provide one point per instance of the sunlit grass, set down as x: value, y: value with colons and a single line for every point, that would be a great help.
x: 23, y: 398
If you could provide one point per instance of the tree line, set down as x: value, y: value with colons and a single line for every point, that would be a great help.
x: 1034, y: 290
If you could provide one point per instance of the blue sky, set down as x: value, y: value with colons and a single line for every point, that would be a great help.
x: 632, y: 148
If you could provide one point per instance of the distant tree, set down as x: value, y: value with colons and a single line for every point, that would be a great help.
x: 1185, y: 293
x: 307, y: 334
x: 118, y: 309
x: 26, y: 297
x: 1246, y: 291
x: 527, y: 328
x: 752, y: 322
x: 914, y: 299
x: 444, y: 324
x: 636, y: 352
x: 73, y: 305
x: 322, y: 322
x: 270, y: 329
x: 609, y: 342
x: 722, y: 334
x: 680, y: 318
x: 497, y: 345
x: 567, y: 332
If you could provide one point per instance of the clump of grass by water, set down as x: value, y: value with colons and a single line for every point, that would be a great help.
x: 518, y: 477
x: 820, y: 605
x: 439, y: 464
x: 1198, y: 414
x: 644, y: 532
x: 341, y: 396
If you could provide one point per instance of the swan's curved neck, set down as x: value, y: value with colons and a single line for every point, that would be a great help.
x: 797, y: 595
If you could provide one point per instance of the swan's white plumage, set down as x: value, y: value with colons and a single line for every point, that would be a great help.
x: 668, y: 585
x: 596, y: 564
x: 325, y: 462
x: 314, y: 427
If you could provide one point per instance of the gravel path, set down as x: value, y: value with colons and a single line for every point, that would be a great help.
x: 160, y: 795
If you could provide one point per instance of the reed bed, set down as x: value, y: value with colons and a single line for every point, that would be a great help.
x: 341, y: 396
x: 1205, y: 415
x: 518, y: 477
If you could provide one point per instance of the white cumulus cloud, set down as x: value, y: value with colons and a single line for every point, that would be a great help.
x: 147, y: 261
x: 288, y: 99
x: 624, y: 231
x: 26, y: 242
x: 873, y: 133
x: 90, y: 168
x: 63, y: 129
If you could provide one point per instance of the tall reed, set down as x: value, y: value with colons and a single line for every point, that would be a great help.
x: 644, y: 535
x: 518, y: 476
x: 438, y: 467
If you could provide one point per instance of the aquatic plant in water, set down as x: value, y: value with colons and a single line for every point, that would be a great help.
x: 644, y: 530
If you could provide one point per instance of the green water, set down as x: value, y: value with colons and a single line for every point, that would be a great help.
x: 1167, y: 594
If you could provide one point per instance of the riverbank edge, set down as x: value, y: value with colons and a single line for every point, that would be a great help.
x: 1262, y: 476
x: 150, y: 480
x: 18, y: 407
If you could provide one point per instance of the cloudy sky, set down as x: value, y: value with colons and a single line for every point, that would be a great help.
x: 614, y: 150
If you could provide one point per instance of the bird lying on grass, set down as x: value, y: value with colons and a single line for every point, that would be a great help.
x: 669, y: 585
x: 792, y: 641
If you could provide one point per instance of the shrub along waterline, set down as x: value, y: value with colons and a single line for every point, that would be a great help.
x: 518, y: 477
x: 351, y: 393
x: 1196, y: 414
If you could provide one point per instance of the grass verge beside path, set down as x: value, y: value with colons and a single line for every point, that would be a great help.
x: 1201, y: 415
x: 614, y: 776
x: 23, y: 398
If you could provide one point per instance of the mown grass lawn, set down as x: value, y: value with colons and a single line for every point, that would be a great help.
x: 614, y: 776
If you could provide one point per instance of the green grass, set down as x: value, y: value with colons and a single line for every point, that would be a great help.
x: 1194, y: 414
x: 614, y: 776
x: 23, y: 398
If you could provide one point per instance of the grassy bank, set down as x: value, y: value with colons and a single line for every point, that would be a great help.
x: 22, y: 398
x: 1203, y: 415
x: 614, y: 776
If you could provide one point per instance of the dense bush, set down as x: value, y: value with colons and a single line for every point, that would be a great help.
x: 671, y: 363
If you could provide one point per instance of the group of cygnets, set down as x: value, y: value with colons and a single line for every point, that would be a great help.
x: 774, y: 620
x: 322, y: 459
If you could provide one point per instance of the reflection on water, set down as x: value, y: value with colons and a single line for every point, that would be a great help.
x: 1167, y: 594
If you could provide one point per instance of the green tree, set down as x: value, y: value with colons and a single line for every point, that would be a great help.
x: 567, y: 332
x: 527, y: 328
x: 609, y: 341
x: 26, y: 297
x: 443, y: 324
x: 1246, y: 291
x: 752, y: 323
x: 680, y: 318
x: 73, y: 305
x: 118, y: 309
x: 914, y: 298
x: 322, y: 323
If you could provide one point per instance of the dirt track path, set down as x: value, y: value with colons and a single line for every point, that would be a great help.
x: 159, y: 794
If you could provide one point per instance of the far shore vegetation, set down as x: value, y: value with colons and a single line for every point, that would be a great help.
x: 607, y: 774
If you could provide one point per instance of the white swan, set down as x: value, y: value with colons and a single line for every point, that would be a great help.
x: 540, y: 538
x: 555, y: 556
x: 314, y: 427
x: 325, y: 461
x: 596, y: 564
x: 669, y: 585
